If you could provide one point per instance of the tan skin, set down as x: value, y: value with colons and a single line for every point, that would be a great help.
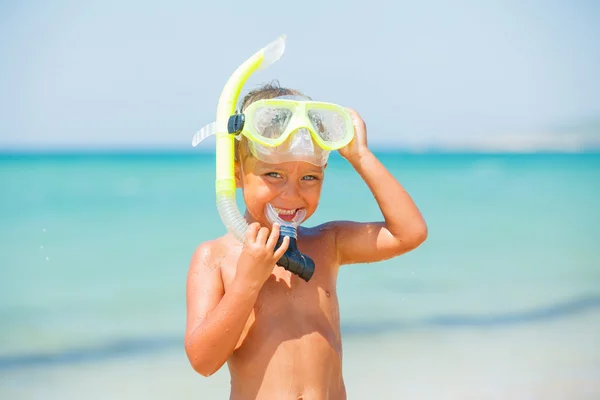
x: 279, y: 334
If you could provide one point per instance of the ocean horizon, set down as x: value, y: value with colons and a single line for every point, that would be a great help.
x: 380, y: 148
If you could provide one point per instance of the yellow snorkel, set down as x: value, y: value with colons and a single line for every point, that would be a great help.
x: 225, y: 183
x: 224, y: 128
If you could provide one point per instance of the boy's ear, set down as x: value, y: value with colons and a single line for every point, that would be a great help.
x: 238, y: 174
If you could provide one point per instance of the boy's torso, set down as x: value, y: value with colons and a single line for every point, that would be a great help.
x: 291, y: 345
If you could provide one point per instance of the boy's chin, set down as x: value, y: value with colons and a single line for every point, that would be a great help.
x: 261, y: 219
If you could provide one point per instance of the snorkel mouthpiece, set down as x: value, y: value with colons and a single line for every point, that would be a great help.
x: 292, y: 260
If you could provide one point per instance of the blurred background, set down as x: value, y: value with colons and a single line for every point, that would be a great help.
x: 487, y: 112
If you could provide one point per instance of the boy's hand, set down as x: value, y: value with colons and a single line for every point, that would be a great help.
x: 358, y: 146
x: 258, y: 256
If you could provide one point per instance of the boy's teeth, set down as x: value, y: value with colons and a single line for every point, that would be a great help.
x: 284, y: 212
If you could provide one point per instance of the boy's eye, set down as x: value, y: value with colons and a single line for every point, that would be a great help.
x: 309, y: 178
x: 273, y: 175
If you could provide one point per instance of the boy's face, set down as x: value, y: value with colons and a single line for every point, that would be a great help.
x: 288, y: 186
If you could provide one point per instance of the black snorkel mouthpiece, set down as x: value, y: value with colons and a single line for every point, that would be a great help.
x: 293, y: 260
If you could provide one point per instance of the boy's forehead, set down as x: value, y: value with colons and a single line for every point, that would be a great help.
x: 286, y: 166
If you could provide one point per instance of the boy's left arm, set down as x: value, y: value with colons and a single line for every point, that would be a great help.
x: 403, y: 228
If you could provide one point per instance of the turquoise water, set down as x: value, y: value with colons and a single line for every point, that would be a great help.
x: 95, y: 248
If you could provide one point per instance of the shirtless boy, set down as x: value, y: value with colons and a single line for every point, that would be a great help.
x: 279, y: 334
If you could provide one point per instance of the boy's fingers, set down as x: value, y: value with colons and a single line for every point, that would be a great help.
x: 263, y: 234
x: 273, y: 237
x: 281, y: 250
x: 252, y: 231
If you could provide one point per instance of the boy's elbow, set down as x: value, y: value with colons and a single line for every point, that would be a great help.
x: 203, y: 370
x: 203, y: 367
x: 201, y: 363
x: 420, y: 234
x: 413, y: 238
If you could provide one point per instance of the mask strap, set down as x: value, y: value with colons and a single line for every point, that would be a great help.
x: 203, y: 133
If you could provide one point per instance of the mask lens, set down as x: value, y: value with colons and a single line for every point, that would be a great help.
x: 271, y: 122
x: 330, y: 125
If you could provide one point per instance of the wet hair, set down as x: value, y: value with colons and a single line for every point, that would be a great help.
x: 268, y: 91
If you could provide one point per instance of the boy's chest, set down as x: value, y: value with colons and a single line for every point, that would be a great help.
x: 285, y: 295
x: 288, y: 307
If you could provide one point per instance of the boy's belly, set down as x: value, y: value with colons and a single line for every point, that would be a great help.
x: 282, y: 367
x: 290, y: 352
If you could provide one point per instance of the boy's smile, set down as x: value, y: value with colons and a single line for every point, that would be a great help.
x: 286, y: 214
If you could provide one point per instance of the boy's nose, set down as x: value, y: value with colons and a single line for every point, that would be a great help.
x: 290, y: 191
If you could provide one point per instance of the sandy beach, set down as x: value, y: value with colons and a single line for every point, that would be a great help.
x: 547, y: 360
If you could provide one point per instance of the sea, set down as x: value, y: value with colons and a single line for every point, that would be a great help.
x: 501, y: 301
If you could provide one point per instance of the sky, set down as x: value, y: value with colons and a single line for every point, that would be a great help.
x: 147, y: 75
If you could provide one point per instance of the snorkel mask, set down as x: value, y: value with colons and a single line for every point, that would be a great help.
x: 278, y: 130
x: 293, y: 128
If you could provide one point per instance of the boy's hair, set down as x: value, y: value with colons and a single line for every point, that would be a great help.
x: 268, y: 91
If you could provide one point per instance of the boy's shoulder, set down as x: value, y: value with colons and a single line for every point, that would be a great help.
x: 326, y: 229
x: 320, y: 231
x: 209, y: 252
x: 321, y: 236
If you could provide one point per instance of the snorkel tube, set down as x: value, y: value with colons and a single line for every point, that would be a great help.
x: 234, y: 221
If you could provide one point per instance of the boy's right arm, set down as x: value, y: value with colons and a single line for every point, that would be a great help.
x: 215, y: 317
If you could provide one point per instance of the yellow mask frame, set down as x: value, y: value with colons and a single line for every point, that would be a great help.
x: 330, y: 125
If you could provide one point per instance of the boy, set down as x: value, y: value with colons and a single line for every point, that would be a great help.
x: 279, y: 334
